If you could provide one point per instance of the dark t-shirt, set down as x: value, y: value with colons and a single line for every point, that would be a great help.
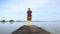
x: 29, y: 13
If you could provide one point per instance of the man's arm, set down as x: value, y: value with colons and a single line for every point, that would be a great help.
x: 31, y: 14
x: 27, y: 14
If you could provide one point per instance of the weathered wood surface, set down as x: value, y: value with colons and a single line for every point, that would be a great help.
x: 32, y: 29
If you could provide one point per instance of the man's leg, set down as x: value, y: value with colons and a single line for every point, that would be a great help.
x: 29, y: 21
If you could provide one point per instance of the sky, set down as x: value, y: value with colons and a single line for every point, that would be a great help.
x: 42, y: 10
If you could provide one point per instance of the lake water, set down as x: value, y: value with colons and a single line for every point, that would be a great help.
x: 8, y: 28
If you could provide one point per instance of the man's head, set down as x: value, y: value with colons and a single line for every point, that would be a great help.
x: 29, y: 9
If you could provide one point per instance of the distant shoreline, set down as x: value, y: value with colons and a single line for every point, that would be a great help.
x: 26, y: 21
x: 15, y: 21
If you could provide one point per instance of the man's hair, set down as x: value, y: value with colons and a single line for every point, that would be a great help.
x: 28, y: 8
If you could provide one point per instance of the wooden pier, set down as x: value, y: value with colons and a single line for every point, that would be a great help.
x: 32, y: 29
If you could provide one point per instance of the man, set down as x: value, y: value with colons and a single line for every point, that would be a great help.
x: 29, y: 16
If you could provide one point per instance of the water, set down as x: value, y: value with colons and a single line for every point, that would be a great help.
x: 8, y: 28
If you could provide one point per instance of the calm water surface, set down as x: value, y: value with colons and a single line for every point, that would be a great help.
x: 8, y: 28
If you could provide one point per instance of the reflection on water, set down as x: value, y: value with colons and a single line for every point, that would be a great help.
x: 3, y: 22
x: 9, y: 27
x: 8, y: 22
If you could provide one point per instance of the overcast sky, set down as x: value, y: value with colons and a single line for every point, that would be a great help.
x: 42, y: 9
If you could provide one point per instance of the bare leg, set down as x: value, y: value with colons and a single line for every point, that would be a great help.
x: 29, y: 20
x: 29, y: 23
